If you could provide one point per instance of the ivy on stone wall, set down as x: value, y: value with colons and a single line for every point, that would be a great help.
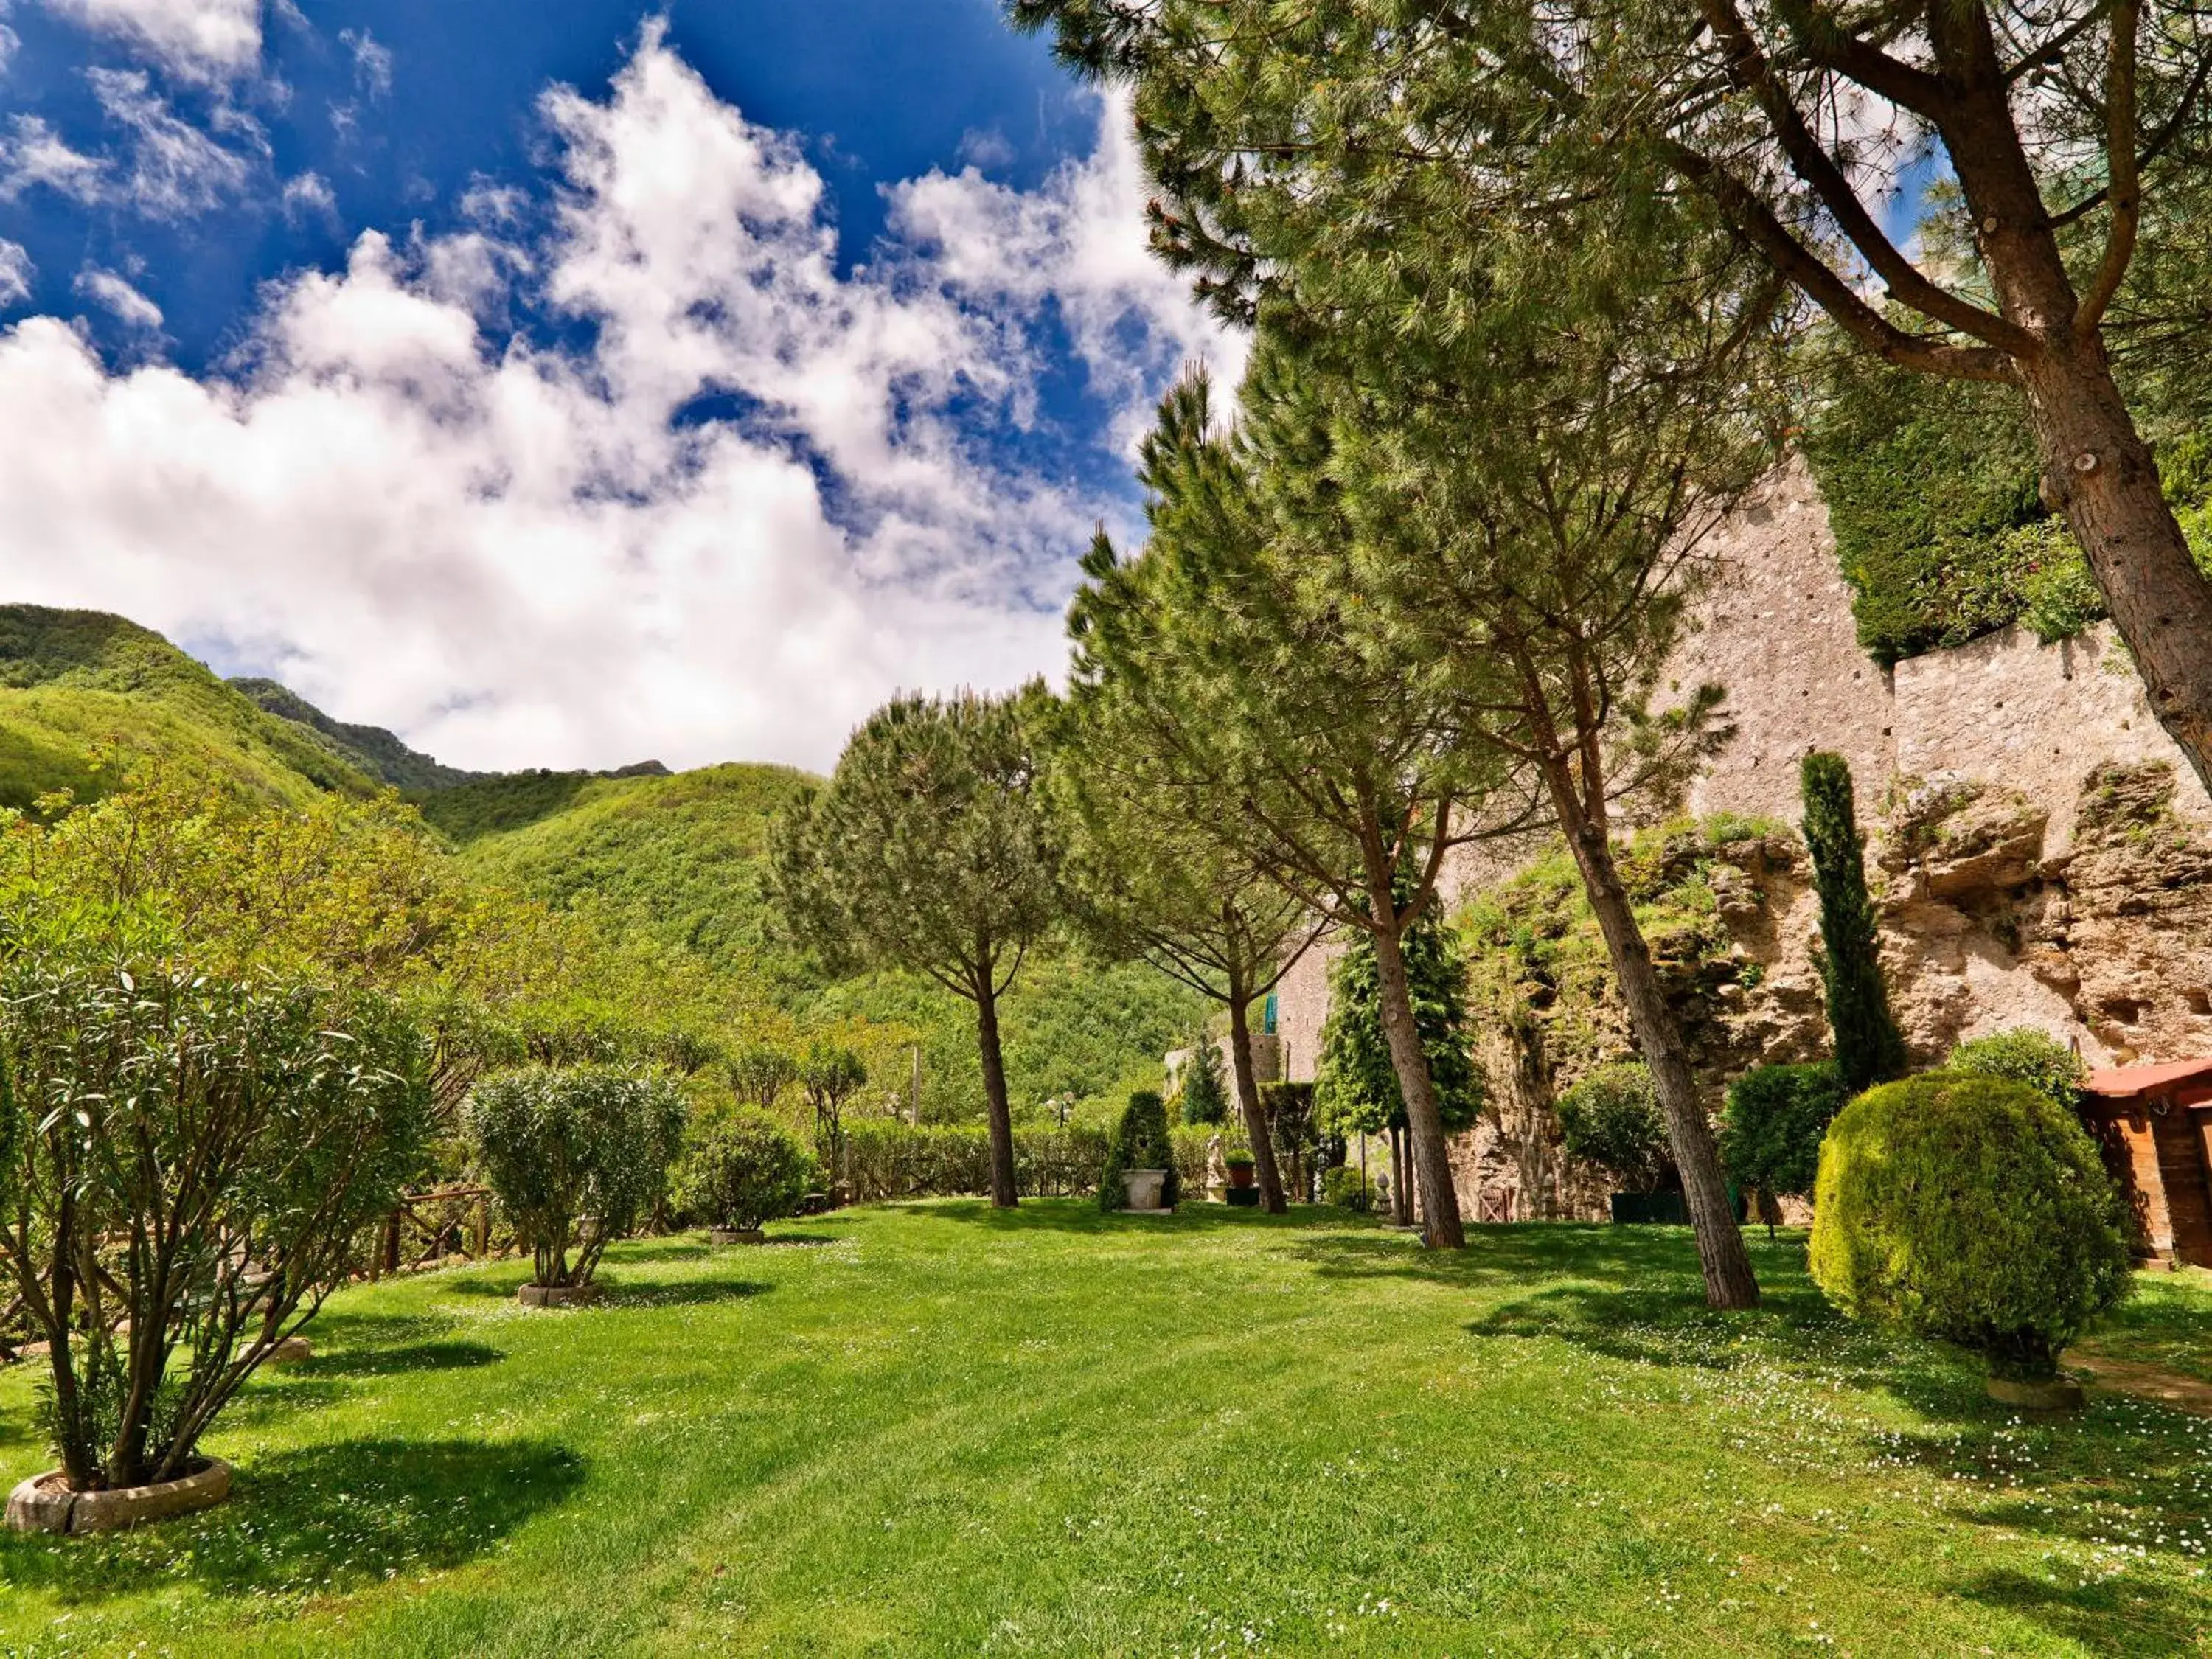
x: 1931, y: 490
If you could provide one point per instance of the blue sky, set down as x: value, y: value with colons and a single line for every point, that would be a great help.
x: 561, y: 381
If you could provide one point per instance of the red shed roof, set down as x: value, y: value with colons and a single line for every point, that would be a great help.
x: 2121, y: 1080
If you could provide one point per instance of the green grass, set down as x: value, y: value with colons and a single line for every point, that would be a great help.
x: 934, y: 1430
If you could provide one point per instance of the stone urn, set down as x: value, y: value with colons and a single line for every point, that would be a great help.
x: 1144, y: 1187
x: 45, y: 1504
x: 558, y: 1296
x: 736, y: 1236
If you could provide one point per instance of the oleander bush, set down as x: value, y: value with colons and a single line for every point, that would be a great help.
x: 1973, y: 1209
x: 1612, y: 1118
x: 559, y: 1144
x: 744, y: 1168
x: 187, y: 1164
x: 1349, y: 1189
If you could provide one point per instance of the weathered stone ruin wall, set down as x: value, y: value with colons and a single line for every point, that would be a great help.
x: 2041, y: 853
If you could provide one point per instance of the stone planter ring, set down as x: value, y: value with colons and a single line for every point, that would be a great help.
x: 44, y: 1503
x: 558, y: 1296
x: 736, y: 1236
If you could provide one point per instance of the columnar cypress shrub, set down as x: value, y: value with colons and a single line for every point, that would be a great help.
x: 1142, y: 1142
x: 1869, y: 1049
x: 1204, y: 1099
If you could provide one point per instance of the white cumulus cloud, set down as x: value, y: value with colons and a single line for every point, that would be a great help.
x: 750, y: 506
x: 16, y: 272
x: 201, y: 39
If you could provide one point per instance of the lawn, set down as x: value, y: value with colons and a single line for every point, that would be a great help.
x: 936, y: 1429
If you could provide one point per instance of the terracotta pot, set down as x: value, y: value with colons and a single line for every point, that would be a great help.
x: 558, y: 1296
x: 736, y: 1236
x: 1243, y: 1174
x: 44, y: 1503
x: 2060, y: 1393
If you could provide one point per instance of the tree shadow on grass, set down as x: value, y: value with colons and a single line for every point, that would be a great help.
x: 628, y: 1293
x: 447, y: 1354
x: 324, y: 1519
x: 2125, y: 1615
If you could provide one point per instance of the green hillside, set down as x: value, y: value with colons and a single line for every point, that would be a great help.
x: 679, y: 857
x: 77, y: 682
x: 368, y: 749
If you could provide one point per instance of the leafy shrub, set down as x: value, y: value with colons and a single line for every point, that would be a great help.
x: 1348, y: 1188
x: 890, y: 1160
x: 1141, y: 1142
x: 1973, y: 1209
x: 744, y: 1168
x: 1194, y: 1155
x: 556, y: 1145
x: 1204, y: 1100
x: 2025, y: 1055
x: 1356, y: 1087
x: 1290, y: 1111
x: 186, y: 1135
x: 760, y: 1073
x: 1776, y: 1116
x: 1612, y: 1118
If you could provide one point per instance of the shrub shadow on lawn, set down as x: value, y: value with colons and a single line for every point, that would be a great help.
x: 2125, y: 1615
x: 626, y: 1292
x: 323, y: 1519
x: 1083, y: 1215
x: 445, y: 1355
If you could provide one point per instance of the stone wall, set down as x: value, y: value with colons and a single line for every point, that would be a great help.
x: 2037, y: 842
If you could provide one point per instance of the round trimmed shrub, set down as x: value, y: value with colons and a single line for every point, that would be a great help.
x: 1971, y: 1209
x: 1612, y: 1118
x: 556, y: 1144
x: 744, y: 1168
x: 1347, y: 1186
x: 1777, y: 1116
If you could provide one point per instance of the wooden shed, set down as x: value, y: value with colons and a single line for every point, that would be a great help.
x: 2154, y: 1123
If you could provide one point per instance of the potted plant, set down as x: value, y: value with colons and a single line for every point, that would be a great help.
x: 189, y: 1161
x: 1139, y: 1174
x: 1976, y: 1209
x: 556, y: 1145
x: 743, y: 1170
x: 1612, y: 1118
x: 1243, y: 1186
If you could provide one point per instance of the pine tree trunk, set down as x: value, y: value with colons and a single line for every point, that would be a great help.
x: 1248, y: 1098
x: 1002, y: 1195
x: 2099, y: 473
x: 1729, y: 1281
x: 1424, y: 1124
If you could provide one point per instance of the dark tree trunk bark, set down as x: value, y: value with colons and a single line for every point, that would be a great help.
x: 1424, y: 1124
x: 1002, y: 1195
x: 1247, y: 1099
x: 1729, y: 1281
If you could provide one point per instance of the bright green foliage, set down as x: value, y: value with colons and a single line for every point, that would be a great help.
x: 1777, y: 1116
x: 1971, y: 1209
x: 888, y: 1160
x: 77, y: 683
x: 1869, y: 1048
x: 1356, y: 1086
x: 188, y: 1134
x: 1204, y: 1099
x: 370, y: 749
x: 831, y: 1075
x: 932, y: 851
x: 1141, y: 1142
x: 557, y: 1144
x: 761, y: 1073
x: 742, y: 1168
x: 1348, y: 1187
x: 1612, y: 1118
x: 2025, y: 1055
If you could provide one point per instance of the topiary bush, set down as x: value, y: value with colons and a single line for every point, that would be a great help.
x: 557, y: 1144
x: 1612, y: 1118
x: 1141, y: 1142
x: 2025, y: 1056
x: 1775, y: 1117
x: 1973, y: 1209
x: 744, y: 1168
x: 1204, y: 1093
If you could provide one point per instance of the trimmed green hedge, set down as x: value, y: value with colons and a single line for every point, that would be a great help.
x: 885, y: 1160
x: 1973, y: 1209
